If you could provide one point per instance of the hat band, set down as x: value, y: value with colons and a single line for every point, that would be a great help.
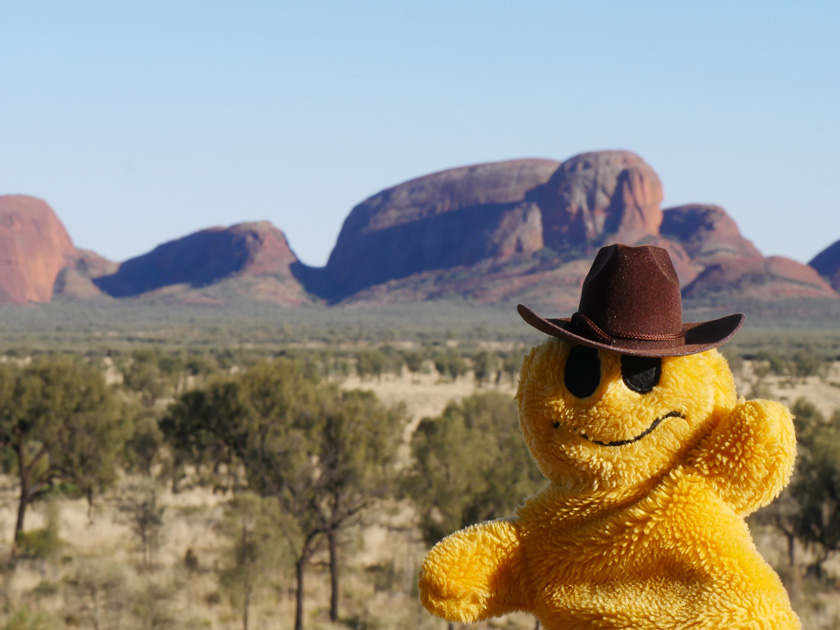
x: 581, y: 321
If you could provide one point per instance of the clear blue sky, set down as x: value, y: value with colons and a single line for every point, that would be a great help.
x: 140, y: 122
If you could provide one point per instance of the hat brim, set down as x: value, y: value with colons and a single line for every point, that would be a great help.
x: 697, y: 337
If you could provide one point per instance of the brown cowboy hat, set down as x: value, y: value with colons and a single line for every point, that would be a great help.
x: 630, y: 303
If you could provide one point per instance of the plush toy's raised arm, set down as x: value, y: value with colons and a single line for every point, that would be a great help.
x: 475, y: 573
x: 749, y: 455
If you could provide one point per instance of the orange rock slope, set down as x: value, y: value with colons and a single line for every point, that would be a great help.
x: 34, y: 247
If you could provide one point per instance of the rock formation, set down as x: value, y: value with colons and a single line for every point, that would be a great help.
x: 76, y: 280
x: 495, y: 231
x: 498, y: 211
x: 707, y: 233
x: 34, y: 247
x: 257, y: 254
x: 706, y: 236
x: 768, y: 279
x: 453, y: 218
x: 521, y: 230
x: 827, y: 264
x: 596, y: 198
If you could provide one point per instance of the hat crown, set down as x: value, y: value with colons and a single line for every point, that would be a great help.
x: 630, y: 303
x: 633, y: 291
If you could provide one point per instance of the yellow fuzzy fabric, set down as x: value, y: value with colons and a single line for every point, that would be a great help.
x: 648, y: 534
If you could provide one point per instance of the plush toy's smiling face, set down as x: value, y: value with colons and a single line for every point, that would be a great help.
x: 595, y: 419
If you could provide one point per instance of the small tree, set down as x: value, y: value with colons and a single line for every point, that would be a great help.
x: 143, y: 448
x: 413, y: 360
x: 142, y: 375
x: 471, y: 465
x: 321, y: 454
x: 450, y: 364
x: 806, y: 363
x: 154, y: 607
x: 202, y: 428
x: 485, y: 366
x: 356, y: 450
x: 145, y: 518
x: 261, y: 420
x: 102, y: 589
x: 23, y: 619
x: 250, y: 525
x: 775, y: 364
x: 61, y: 422
x: 511, y: 363
x: 44, y: 543
x: 371, y: 363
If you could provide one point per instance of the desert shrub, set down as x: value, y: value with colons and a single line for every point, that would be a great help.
x: 201, y: 365
x: 143, y: 448
x: 144, y: 514
x: 378, y: 361
x: 775, y: 364
x: 255, y: 549
x: 150, y: 374
x: 512, y: 362
x: 44, y: 543
x: 191, y: 561
x: 24, y: 619
x: 486, y: 365
x: 37, y: 544
x: 381, y: 575
x: 806, y: 363
x: 450, y: 364
x: 470, y: 465
x: 370, y: 363
x: 213, y: 598
x: 393, y: 359
x: 97, y: 594
x: 413, y: 360
x: 45, y: 588
x: 153, y: 607
x: 336, y: 364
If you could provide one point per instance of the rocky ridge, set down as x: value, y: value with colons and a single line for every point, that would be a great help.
x: 589, y: 200
x: 454, y: 218
x: 827, y: 264
x: 34, y: 248
x: 251, y: 259
x: 518, y: 230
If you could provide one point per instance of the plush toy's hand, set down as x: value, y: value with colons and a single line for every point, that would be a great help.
x: 475, y: 573
x: 749, y: 455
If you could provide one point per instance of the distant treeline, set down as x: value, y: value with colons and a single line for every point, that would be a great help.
x: 121, y: 325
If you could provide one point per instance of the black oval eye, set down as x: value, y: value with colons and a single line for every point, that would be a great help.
x: 641, y: 374
x: 583, y: 371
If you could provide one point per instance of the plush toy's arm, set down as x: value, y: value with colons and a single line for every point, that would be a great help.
x: 475, y: 573
x: 749, y: 455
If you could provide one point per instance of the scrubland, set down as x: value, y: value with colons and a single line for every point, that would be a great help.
x: 150, y: 553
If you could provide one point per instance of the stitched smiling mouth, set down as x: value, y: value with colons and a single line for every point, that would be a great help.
x: 670, y: 414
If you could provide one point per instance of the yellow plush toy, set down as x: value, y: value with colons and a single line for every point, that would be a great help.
x: 652, y: 462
